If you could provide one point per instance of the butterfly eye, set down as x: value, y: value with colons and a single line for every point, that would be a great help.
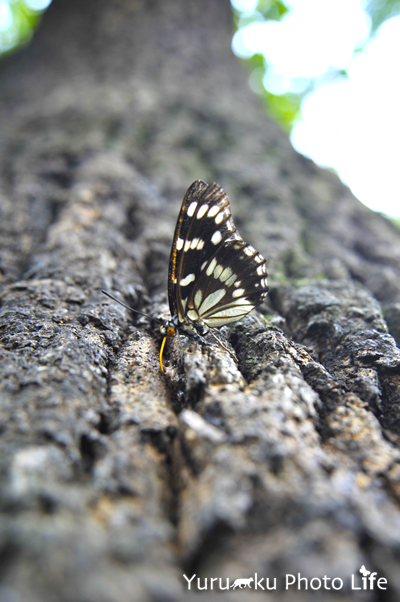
x: 170, y: 331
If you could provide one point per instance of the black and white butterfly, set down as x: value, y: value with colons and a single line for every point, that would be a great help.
x: 214, y: 277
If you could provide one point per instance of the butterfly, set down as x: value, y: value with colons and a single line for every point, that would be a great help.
x: 214, y: 277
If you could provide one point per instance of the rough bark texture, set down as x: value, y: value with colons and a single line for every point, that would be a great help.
x: 115, y: 478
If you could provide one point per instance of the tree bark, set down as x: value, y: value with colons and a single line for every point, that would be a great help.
x: 115, y: 478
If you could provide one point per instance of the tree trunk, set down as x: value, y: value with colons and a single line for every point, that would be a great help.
x: 118, y: 479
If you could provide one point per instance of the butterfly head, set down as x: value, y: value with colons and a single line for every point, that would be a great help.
x: 168, y: 329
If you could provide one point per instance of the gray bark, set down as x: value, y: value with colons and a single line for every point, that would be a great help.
x: 115, y: 478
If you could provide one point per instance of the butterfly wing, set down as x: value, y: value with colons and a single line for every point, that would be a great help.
x: 231, y: 284
x: 213, y: 274
x: 192, y: 243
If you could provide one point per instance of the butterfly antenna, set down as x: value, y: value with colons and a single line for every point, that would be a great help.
x: 131, y: 308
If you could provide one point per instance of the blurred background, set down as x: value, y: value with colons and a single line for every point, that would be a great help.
x: 327, y: 70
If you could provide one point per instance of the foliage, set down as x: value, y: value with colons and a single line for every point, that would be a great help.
x: 286, y: 107
x: 380, y: 11
x: 24, y: 21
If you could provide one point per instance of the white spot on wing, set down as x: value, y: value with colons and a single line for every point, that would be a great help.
x: 179, y: 244
x: 200, y: 245
x: 220, y: 321
x: 187, y: 280
x: 237, y: 292
x: 218, y: 271
x: 216, y: 237
x: 187, y: 245
x: 201, y: 211
x: 211, y: 267
x: 238, y: 310
x: 211, y: 300
x: 194, y: 242
x: 231, y: 280
x: 225, y: 274
x: 219, y: 217
x: 213, y: 211
x: 198, y: 298
x: 193, y: 315
x: 249, y: 250
x: 192, y: 208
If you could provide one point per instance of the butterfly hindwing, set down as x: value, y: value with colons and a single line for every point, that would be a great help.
x: 231, y: 284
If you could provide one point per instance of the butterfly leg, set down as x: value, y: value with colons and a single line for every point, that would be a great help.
x: 220, y: 343
x: 191, y: 333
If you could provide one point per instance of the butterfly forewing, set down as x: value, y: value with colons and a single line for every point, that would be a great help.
x: 181, y: 229
x: 214, y: 276
x: 197, y: 234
